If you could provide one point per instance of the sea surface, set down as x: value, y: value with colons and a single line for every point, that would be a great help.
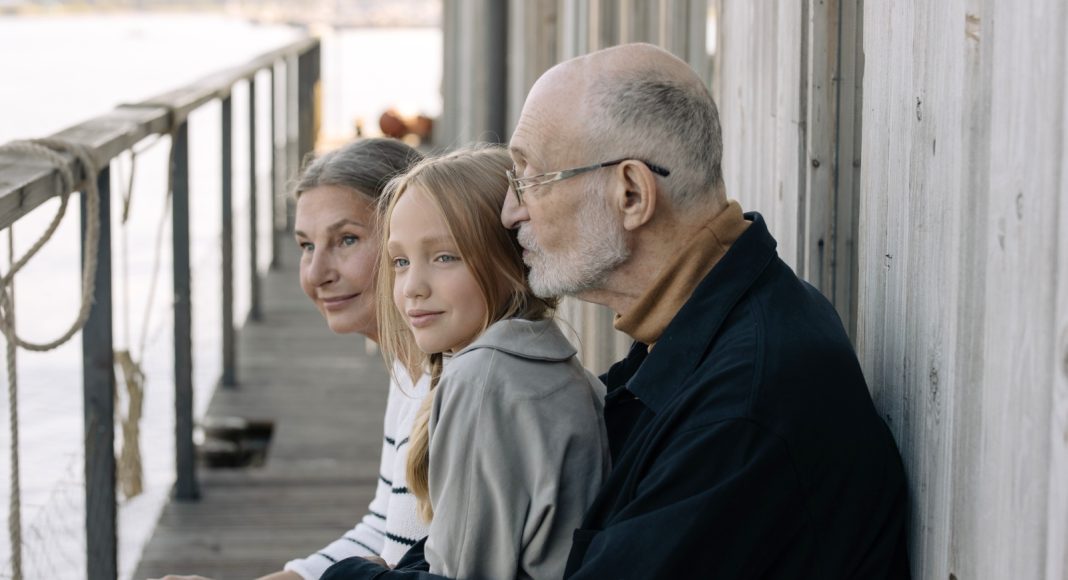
x: 59, y: 71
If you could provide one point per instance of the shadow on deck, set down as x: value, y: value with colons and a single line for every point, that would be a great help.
x: 326, y: 398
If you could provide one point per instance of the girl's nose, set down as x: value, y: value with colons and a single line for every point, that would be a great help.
x: 415, y: 283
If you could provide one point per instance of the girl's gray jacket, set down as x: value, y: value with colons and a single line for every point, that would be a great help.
x: 518, y: 450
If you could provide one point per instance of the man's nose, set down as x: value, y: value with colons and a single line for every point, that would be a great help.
x: 513, y: 213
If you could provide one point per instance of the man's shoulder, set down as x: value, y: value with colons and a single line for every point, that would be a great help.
x: 780, y: 354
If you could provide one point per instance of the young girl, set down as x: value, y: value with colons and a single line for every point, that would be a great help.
x: 510, y: 449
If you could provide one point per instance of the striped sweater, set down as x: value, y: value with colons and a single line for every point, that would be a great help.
x: 392, y: 524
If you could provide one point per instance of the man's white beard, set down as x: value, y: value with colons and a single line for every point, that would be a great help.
x: 599, y: 246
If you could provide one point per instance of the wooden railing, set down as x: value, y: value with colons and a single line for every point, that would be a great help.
x: 25, y: 184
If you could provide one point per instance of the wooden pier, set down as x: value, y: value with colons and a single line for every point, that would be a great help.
x: 326, y: 398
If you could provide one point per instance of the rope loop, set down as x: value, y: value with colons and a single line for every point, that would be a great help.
x: 51, y: 150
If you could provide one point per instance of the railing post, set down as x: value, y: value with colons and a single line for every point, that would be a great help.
x: 255, y: 307
x: 276, y: 167
x: 98, y: 379
x: 186, y: 488
x: 308, y: 73
x: 292, y: 128
x: 229, y: 352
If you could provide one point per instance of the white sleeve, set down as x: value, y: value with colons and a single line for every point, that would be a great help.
x: 369, y: 535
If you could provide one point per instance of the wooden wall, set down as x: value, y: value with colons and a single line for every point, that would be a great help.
x: 964, y: 275
x: 914, y: 148
x: 789, y: 106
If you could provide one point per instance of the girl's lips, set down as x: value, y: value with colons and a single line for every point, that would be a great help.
x: 422, y: 319
x: 339, y: 302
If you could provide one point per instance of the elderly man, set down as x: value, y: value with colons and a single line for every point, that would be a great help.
x: 744, y: 441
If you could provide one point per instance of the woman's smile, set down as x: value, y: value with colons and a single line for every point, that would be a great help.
x: 337, y: 303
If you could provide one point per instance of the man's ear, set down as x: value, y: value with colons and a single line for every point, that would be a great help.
x: 637, y: 204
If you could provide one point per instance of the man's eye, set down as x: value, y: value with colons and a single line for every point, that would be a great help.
x: 306, y: 247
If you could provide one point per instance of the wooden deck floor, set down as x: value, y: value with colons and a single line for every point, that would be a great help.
x: 326, y: 398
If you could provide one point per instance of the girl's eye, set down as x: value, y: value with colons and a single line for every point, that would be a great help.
x: 446, y: 258
x: 400, y: 263
x: 349, y: 240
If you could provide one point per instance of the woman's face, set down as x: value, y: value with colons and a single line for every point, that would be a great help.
x: 335, y: 229
x: 433, y: 287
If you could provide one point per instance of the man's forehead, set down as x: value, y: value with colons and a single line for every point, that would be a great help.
x: 529, y: 139
x: 552, y: 115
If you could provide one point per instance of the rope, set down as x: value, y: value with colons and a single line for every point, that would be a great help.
x: 129, y: 464
x: 14, y: 520
x: 130, y: 469
x: 49, y: 149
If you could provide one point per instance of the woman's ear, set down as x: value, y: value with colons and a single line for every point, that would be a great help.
x: 638, y: 197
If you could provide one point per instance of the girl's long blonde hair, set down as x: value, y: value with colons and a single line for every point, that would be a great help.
x: 468, y: 187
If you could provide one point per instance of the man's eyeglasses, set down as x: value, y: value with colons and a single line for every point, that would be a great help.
x: 521, y: 184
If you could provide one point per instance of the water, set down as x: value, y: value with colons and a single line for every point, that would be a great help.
x: 69, y: 69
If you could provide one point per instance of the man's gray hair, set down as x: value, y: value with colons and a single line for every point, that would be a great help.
x: 662, y: 121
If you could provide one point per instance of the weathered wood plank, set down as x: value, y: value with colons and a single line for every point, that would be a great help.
x: 908, y: 260
x: 1057, y: 531
x: 762, y: 111
x: 820, y: 66
x: 967, y: 538
x: 850, y: 80
x: 1020, y: 249
x: 27, y: 182
x: 217, y: 85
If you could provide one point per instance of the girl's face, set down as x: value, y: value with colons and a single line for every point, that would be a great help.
x: 433, y: 287
x: 334, y: 228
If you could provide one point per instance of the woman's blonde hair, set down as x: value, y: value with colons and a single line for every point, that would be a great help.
x: 468, y: 187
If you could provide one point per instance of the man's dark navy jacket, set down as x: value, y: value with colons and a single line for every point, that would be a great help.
x: 744, y: 445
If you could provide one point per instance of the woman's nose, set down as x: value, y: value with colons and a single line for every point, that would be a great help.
x: 322, y: 270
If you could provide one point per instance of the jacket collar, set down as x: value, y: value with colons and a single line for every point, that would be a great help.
x: 688, y: 336
x: 532, y: 339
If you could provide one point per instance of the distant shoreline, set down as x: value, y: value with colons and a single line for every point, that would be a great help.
x: 261, y: 15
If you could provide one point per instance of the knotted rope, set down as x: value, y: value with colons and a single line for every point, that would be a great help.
x: 49, y: 150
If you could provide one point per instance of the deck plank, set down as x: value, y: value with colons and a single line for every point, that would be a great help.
x: 326, y: 397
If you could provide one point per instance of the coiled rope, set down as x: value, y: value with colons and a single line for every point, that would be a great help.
x: 50, y: 150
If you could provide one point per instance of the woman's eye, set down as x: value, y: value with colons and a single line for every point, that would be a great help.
x: 306, y: 246
x: 400, y: 262
x: 349, y: 240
